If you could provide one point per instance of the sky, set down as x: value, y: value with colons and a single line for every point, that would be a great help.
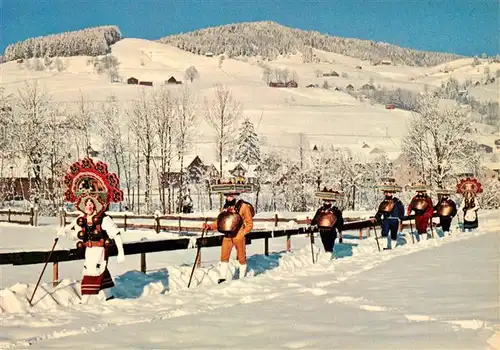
x: 465, y: 27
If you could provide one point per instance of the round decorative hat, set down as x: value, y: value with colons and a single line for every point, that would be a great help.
x: 87, y: 180
x: 469, y: 185
x: 419, y: 187
x: 233, y: 186
x: 444, y: 191
x: 329, y: 194
x: 388, y: 184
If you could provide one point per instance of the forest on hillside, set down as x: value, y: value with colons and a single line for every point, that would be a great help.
x: 270, y: 40
x: 86, y: 42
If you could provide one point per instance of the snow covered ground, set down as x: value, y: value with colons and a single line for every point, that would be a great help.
x: 439, y: 293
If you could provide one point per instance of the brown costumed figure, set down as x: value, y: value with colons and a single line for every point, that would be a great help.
x: 446, y: 209
x: 329, y: 219
x: 92, y: 188
x: 235, y: 221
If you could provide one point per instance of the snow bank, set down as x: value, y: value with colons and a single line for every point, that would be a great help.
x: 135, y: 284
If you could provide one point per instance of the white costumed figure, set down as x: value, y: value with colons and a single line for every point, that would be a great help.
x: 91, y: 187
x: 469, y: 188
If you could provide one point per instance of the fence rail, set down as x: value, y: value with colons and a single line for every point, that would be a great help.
x: 157, y: 226
x: 32, y: 214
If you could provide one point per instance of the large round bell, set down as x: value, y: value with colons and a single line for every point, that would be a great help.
x: 419, y: 204
x: 386, y: 206
x: 326, y: 219
x: 445, y: 209
x: 81, y: 234
x: 229, y: 223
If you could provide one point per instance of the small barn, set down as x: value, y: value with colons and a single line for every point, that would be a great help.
x: 209, y: 54
x: 485, y: 148
x: 386, y: 63
x: 292, y: 84
x: 349, y: 88
x: 146, y: 83
x: 172, y: 80
x: 367, y: 87
x: 331, y: 74
x: 132, y: 80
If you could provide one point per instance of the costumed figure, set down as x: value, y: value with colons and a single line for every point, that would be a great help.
x: 445, y: 208
x: 390, y: 211
x: 469, y: 188
x: 91, y: 187
x: 328, y: 218
x: 235, y: 221
x: 421, y: 205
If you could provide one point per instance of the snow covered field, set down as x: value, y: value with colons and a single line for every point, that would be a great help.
x: 438, y: 293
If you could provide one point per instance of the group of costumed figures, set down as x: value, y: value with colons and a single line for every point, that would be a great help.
x: 92, y: 189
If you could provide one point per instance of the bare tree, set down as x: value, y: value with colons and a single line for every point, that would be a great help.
x: 191, y: 74
x: 438, y: 142
x: 142, y: 123
x: 165, y: 115
x: 7, y: 149
x: 222, y: 115
x: 186, y: 104
x: 83, y: 121
x: 267, y: 74
x: 116, y: 145
x: 34, y: 110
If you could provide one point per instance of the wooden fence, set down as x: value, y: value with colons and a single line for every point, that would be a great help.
x: 32, y: 215
x: 39, y: 257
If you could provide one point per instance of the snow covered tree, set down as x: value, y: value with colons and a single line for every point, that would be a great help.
x: 117, y: 148
x: 191, y: 74
x: 186, y: 109
x: 247, y: 145
x: 164, y: 122
x: 142, y: 123
x: 438, y: 142
x: 222, y: 115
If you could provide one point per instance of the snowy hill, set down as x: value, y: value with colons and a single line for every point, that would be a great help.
x: 270, y: 40
x: 325, y: 116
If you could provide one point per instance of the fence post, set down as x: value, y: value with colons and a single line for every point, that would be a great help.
x: 157, y: 221
x: 180, y: 223
x: 32, y: 215
x: 288, y: 243
x: 8, y: 215
x: 125, y: 222
x: 36, y: 215
x: 55, y: 273
x: 266, y: 246
x: 143, y: 262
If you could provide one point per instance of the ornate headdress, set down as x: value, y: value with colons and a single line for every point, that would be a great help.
x: 329, y: 194
x: 232, y: 186
x: 388, y: 184
x: 88, y: 180
x: 419, y: 187
x: 469, y: 185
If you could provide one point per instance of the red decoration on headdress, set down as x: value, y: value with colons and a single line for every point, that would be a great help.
x: 469, y: 185
x: 88, y: 180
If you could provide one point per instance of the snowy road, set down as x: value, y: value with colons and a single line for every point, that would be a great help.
x: 445, y: 298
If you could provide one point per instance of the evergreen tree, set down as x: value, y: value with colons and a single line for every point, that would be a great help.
x: 248, y: 149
